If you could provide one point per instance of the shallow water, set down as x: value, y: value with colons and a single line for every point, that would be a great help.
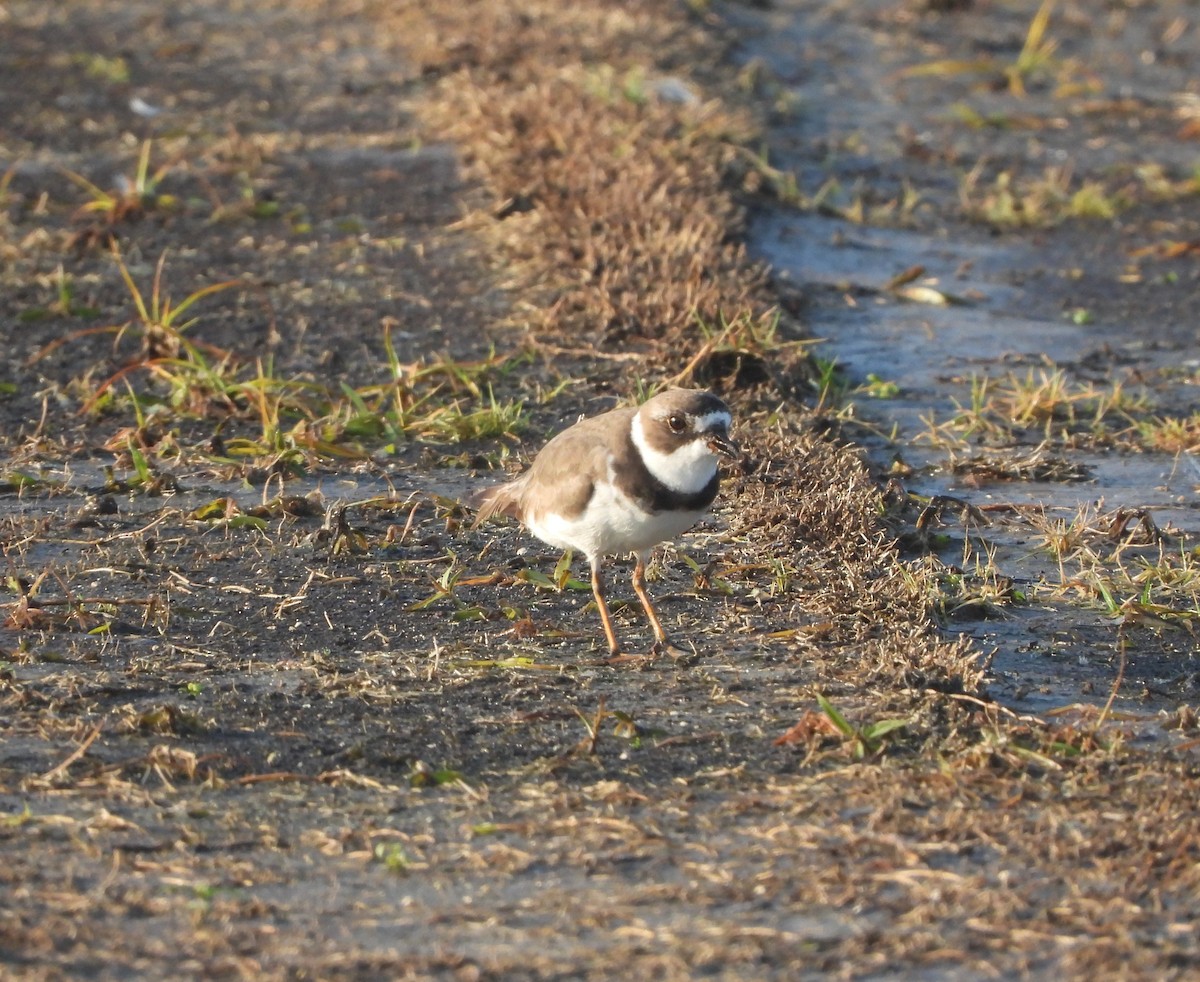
x: 1044, y: 655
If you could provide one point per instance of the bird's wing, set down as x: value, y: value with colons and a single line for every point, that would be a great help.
x: 568, y: 464
x: 564, y: 482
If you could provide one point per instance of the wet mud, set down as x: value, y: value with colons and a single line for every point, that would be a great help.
x: 1086, y: 297
x: 295, y: 719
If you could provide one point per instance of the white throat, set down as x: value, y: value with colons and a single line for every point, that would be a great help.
x: 687, y: 470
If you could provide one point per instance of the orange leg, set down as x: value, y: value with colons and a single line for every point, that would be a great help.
x: 605, y: 618
x: 639, y: 587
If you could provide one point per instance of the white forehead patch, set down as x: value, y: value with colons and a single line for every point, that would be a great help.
x: 687, y: 469
x: 705, y: 423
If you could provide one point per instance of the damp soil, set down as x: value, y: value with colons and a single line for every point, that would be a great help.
x: 1102, y: 301
x: 273, y: 725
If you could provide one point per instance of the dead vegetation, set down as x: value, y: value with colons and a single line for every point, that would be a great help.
x: 257, y: 727
x: 613, y: 174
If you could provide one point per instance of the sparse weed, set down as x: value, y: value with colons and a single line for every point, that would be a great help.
x: 132, y: 196
x: 737, y: 350
x: 443, y: 585
x: 593, y: 725
x: 425, y: 776
x: 454, y: 424
x: 392, y: 856
x: 1171, y: 434
x: 978, y: 587
x: 439, y: 401
x: 64, y: 304
x: 865, y: 741
x: 1062, y: 537
x: 250, y: 203
x: 644, y: 390
x: 879, y: 388
x: 1122, y: 562
x: 1046, y: 402
x: 781, y: 580
x: 113, y: 70
x: 1038, y: 400
x: 1035, y: 59
x: 164, y: 349
x: 944, y: 435
x: 831, y: 385
x: 833, y: 199
x: 1040, y: 202
x: 1037, y: 51
x: 746, y: 332
x: 623, y: 727
x: 782, y: 185
x: 1155, y: 181
x: 862, y: 204
x: 976, y: 420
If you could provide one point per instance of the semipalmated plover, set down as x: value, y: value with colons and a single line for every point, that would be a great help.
x: 622, y: 482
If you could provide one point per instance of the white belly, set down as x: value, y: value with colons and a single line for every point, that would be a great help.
x: 611, y: 525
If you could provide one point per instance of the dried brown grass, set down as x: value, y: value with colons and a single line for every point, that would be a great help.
x: 614, y: 204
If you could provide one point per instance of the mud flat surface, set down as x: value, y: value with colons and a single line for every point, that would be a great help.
x: 269, y: 708
x: 920, y: 273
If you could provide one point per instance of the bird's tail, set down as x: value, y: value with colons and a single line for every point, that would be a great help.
x: 498, y: 500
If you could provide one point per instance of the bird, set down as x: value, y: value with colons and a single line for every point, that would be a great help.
x: 620, y: 483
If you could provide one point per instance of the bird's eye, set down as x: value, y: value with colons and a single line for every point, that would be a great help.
x: 677, y: 423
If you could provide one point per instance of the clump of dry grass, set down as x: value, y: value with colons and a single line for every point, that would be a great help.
x: 817, y: 503
x: 611, y: 184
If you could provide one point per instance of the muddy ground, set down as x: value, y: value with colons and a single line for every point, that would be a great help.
x: 270, y: 708
x: 926, y: 140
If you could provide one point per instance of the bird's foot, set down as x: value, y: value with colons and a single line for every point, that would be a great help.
x: 679, y: 655
x: 621, y: 658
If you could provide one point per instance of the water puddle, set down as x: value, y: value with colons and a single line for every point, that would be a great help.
x: 975, y: 315
x: 1045, y: 654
